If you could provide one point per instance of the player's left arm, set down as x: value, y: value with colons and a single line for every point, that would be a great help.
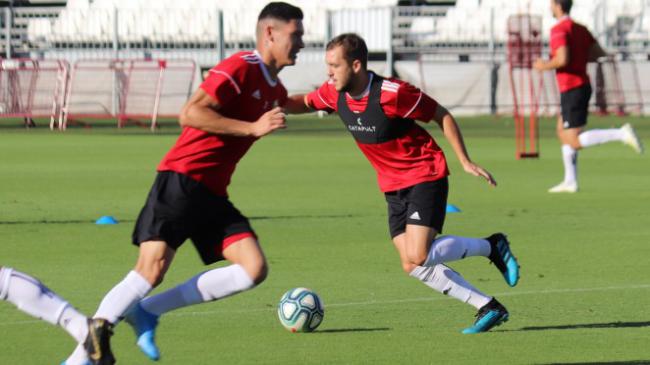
x: 452, y: 133
x: 559, y: 60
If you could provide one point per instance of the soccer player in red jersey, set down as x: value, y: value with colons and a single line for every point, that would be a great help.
x: 572, y: 46
x: 412, y: 172
x: 238, y: 103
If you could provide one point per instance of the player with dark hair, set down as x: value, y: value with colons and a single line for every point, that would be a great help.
x: 572, y: 46
x: 238, y: 103
x: 412, y: 172
x: 30, y: 296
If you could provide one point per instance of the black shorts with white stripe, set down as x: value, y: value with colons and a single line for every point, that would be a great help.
x: 424, y: 204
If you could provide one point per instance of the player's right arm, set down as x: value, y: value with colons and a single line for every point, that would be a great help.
x: 202, y: 112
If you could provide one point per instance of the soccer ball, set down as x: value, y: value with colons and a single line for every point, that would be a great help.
x: 300, y: 310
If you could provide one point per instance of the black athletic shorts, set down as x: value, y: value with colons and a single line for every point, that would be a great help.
x: 424, y: 204
x: 575, y: 106
x: 179, y: 208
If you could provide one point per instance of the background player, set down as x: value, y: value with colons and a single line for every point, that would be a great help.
x: 411, y: 171
x: 572, y: 46
x: 233, y: 107
x: 32, y: 297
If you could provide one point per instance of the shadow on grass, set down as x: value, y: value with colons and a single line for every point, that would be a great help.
x: 340, y: 330
x: 260, y: 218
x: 587, y: 325
x: 70, y: 221
x: 631, y: 362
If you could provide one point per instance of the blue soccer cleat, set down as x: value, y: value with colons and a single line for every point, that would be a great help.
x: 502, y: 257
x: 488, y: 317
x: 144, y: 325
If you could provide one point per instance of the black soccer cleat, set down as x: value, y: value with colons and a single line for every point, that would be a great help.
x: 488, y: 317
x: 502, y: 257
x: 98, y: 342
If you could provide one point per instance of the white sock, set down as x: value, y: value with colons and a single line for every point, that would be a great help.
x: 78, y: 356
x: 599, y: 136
x: 32, y: 297
x: 452, y: 248
x: 206, y: 287
x: 448, y: 282
x: 123, y: 295
x: 570, y: 159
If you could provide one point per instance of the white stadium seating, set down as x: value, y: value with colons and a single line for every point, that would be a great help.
x: 196, y: 20
x: 188, y: 20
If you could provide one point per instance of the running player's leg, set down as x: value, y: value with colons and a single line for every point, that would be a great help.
x: 153, y: 262
x: 444, y: 280
x: 416, y: 215
x: 594, y: 137
x: 221, y: 233
x: 421, y: 216
x: 624, y: 134
x: 568, y: 137
x: 32, y: 297
x: 248, y: 269
x: 439, y: 277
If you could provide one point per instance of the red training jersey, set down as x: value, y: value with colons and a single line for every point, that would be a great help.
x: 407, y: 160
x: 244, y: 90
x: 578, y: 40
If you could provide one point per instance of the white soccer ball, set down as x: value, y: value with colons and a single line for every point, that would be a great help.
x: 301, y: 310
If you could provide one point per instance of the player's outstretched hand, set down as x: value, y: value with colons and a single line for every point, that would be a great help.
x: 268, y: 122
x: 477, y: 170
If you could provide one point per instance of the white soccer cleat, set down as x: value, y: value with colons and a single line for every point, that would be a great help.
x: 564, y: 187
x: 631, y: 139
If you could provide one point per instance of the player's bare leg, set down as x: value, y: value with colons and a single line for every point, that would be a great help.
x: 153, y: 262
x: 248, y: 269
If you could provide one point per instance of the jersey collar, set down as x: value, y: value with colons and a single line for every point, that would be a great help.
x: 268, y: 78
x: 366, y: 91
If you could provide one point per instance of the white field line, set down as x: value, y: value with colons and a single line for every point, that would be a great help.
x: 394, y: 301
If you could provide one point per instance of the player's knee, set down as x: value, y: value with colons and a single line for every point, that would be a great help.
x: 153, y: 274
x: 575, y: 144
x: 258, y: 271
x: 408, y: 267
x: 416, y: 257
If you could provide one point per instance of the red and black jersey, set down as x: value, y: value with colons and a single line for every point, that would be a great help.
x: 577, y: 38
x: 382, y: 123
x: 244, y: 90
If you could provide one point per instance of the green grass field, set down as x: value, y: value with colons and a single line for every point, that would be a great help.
x: 583, y: 296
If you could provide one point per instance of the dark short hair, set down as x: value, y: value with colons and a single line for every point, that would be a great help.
x: 281, y: 11
x: 354, y: 47
x: 565, y: 5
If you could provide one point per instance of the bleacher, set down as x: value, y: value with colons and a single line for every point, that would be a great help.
x: 469, y: 21
x: 176, y: 21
